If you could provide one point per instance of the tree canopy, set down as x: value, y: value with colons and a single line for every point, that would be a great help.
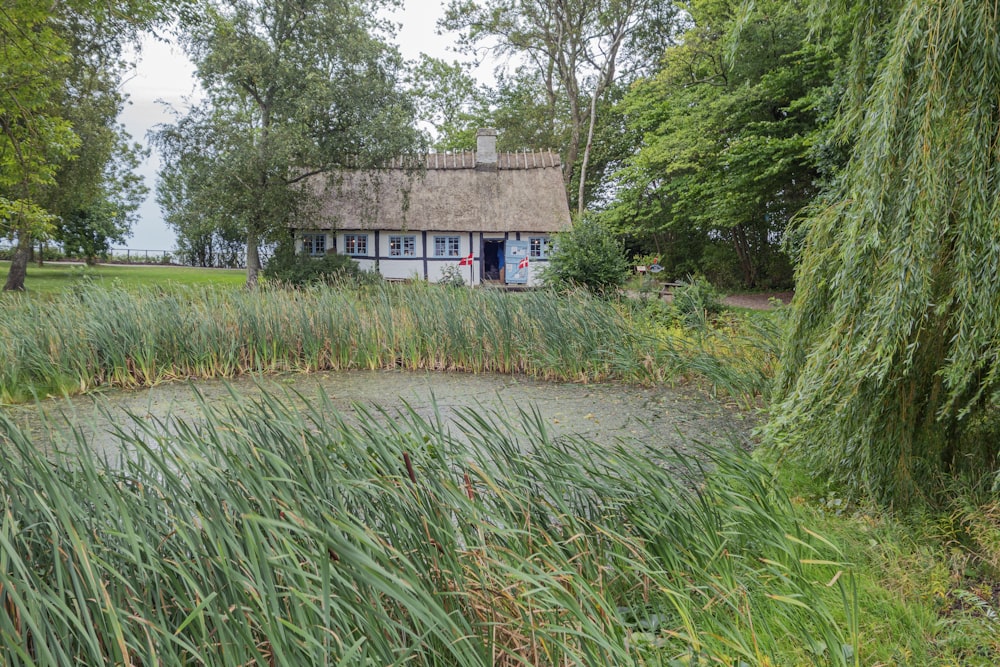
x: 65, y: 163
x: 33, y: 137
x: 726, y: 133
x: 97, y: 193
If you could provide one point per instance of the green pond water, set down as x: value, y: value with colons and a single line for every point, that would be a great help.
x: 662, y: 417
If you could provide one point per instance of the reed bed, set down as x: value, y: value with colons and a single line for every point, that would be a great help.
x: 96, y: 337
x: 262, y: 535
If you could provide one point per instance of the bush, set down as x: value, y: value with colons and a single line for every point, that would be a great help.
x: 287, y: 266
x: 696, y: 300
x: 587, y: 255
x: 451, y: 275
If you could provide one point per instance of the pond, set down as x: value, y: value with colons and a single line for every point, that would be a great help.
x: 662, y: 417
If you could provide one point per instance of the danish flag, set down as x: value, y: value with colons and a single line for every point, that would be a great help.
x: 466, y: 261
x: 523, y: 264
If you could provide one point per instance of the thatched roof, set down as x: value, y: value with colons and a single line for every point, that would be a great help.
x: 448, y: 192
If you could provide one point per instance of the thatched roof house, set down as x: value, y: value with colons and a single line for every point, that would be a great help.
x: 411, y: 220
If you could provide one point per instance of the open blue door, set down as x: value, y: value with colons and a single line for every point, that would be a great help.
x: 516, y: 262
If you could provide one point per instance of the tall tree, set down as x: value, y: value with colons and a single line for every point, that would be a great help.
x: 579, y: 49
x: 33, y: 138
x: 294, y: 88
x: 199, y: 192
x: 894, y: 344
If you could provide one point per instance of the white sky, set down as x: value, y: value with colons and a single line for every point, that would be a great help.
x: 165, y: 75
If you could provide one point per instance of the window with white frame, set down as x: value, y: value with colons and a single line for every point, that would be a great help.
x: 446, y: 246
x: 314, y: 244
x: 538, y: 247
x: 356, y: 244
x: 402, y: 246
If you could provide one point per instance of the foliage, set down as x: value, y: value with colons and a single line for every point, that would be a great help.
x: 97, y: 193
x: 577, y: 51
x: 587, y: 255
x: 62, y: 66
x: 45, y: 253
x: 295, y: 89
x: 895, y: 335
x: 288, y: 267
x: 206, y: 241
x: 696, y: 300
x: 693, y: 304
x: 451, y: 275
x: 33, y: 138
x: 516, y: 104
x: 392, y: 539
x: 725, y: 134
x: 448, y: 97
x: 89, y: 233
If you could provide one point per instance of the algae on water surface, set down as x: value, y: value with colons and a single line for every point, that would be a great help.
x: 661, y: 417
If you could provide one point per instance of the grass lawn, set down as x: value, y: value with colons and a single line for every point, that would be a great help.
x: 56, y: 277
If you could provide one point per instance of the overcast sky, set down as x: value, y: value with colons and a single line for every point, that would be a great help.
x: 165, y: 74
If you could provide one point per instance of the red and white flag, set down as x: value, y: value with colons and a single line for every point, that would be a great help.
x: 523, y: 264
x: 466, y: 261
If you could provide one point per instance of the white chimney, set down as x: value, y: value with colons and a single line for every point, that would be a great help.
x: 486, y: 149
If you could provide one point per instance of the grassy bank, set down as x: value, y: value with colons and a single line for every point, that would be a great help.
x: 93, y: 337
x: 55, y: 278
x: 925, y: 583
x: 277, y: 536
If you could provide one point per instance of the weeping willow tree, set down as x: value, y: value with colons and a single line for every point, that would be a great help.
x: 893, y: 345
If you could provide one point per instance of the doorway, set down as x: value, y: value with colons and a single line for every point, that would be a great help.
x: 492, y: 259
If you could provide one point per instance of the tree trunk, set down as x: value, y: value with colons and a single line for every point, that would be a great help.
x: 572, y: 152
x: 745, y: 255
x: 586, y: 151
x: 604, y: 81
x: 18, y: 265
x: 253, y: 261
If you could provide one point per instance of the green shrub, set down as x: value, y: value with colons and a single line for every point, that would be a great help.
x: 49, y: 254
x: 587, y: 255
x: 696, y: 300
x: 451, y: 275
x: 655, y: 313
x: 291, y: 268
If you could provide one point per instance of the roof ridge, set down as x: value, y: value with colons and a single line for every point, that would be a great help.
x: 522, y: 159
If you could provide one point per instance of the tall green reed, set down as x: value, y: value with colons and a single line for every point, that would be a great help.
x: 95, y: 337
x: 263, y: 534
